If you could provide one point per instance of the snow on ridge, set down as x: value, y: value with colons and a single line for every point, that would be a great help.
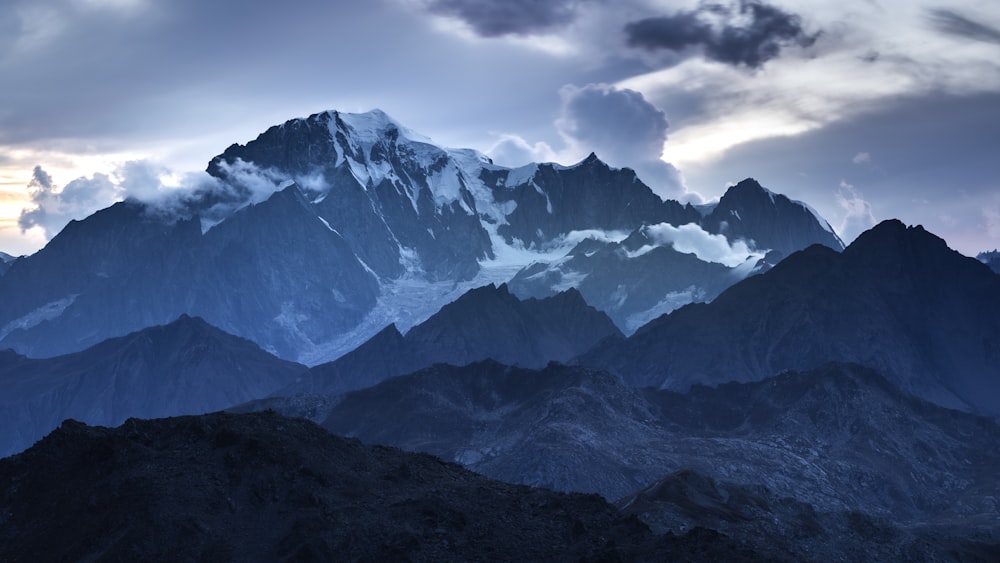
x: 370, y: 127
x: 670, y: 302
x: 520, y: 175
x: 823, y: 223
x: 44, y: 313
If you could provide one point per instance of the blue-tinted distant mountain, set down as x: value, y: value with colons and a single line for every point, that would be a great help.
x: 485, y: 323
x: 774, y: 222
x: 185, y: 367
x: 634, y: 280
x: 260, y: 487
x: 642, y: 276
x: 897, y: 299
x: 323, y: 230
x: 991, y: 259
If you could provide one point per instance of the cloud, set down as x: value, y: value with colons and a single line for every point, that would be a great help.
x: 40, y: 180
x: 749, y: 33
x: 858, y: 217
x: 951, y: 22
x: 622, y: 128
x: 512, y: 150
x: 862, y: 158
x: 490, y: 18
x: 692, y: 239
x: 54, y: 207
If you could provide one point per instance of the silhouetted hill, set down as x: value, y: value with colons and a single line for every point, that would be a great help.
x: 261, y: 487
x: 185, y: 367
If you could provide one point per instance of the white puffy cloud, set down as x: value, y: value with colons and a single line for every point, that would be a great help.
x: 692, y: 239
x: 512, y: 150
x: 52, y: 206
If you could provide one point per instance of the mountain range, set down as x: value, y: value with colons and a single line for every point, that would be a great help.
x: 897, y: 300
x: 733, y: 378
x: 839, y: 437
x: 316, y: 235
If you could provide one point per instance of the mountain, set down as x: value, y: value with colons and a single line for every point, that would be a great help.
x: 897, y: 300
x: 265, y: 488
x: 185, y: 367
x: 313, y: 237
x: 5, y: 261
x: 749, y: 211
x: 484, y: 323
x: 838, y: 438
x: 660, y: 267
x: 991, y: 259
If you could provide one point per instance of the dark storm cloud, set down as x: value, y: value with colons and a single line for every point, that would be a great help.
x: 85, y: 69
x: 750, y: 33
x: 40, y: 180
x: 952, y: 23
x: 623, y: 128
x: 496, y: 18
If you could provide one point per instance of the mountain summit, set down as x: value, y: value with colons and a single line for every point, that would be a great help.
x: 323, y: 230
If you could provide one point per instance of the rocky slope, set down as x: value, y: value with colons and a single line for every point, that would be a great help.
x: 897, y: 300
x: 264, y: 488
x: 185, y: 367
x: 787, y: 529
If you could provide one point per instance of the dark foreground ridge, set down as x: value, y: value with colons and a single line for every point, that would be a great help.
x: 261, y: 487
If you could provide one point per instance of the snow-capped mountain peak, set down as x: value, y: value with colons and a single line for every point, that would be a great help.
x: 360, y: 222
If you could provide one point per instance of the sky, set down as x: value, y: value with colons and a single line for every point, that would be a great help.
x: 864, y: 109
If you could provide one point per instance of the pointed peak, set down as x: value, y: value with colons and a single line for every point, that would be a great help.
x: 591, y: 160
x: 747, y: 186
x: 188, y: 322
